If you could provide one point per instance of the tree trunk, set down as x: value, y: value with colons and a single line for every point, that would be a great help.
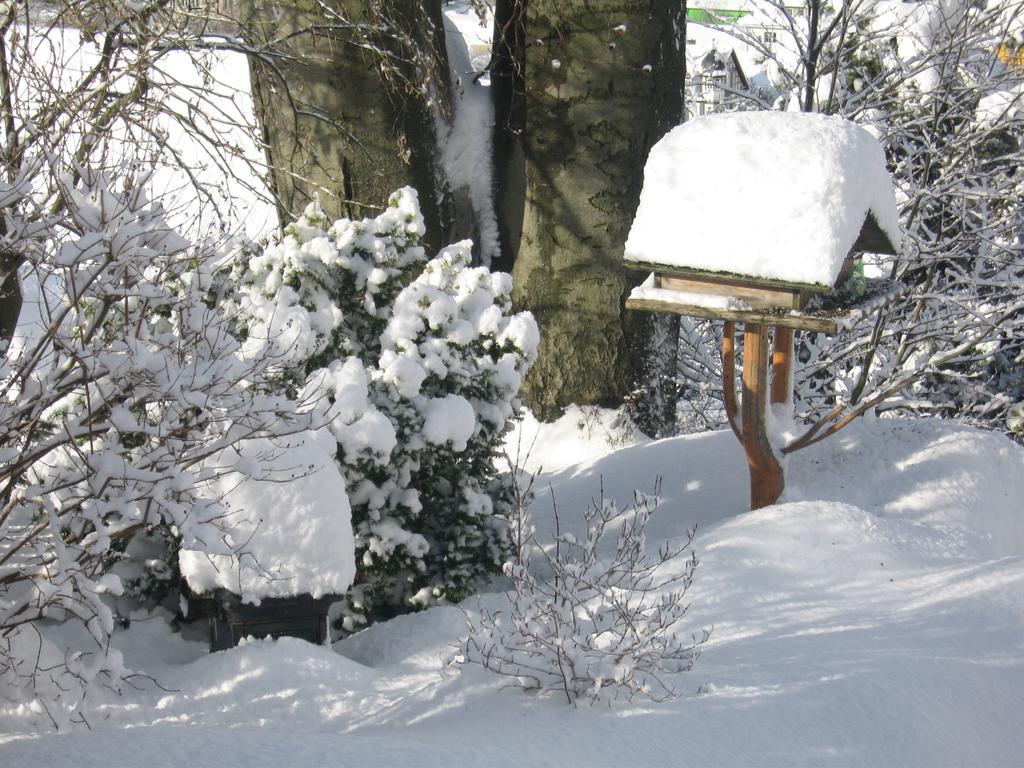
x: 508, y: 89
x: 348, y: 100
x: 10, y: 299
x: 604, y: 82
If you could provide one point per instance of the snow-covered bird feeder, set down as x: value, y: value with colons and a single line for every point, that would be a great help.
x: 747, y: 217
x: 289, y: 545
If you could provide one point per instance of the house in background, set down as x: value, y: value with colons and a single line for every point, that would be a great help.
x: 1011, y: 54
x: 716, y: 84
x: 730, y: 47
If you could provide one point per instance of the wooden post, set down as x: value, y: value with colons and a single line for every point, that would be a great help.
x: 729, y: 377
x: 766, y: 478
x: 782, y: 365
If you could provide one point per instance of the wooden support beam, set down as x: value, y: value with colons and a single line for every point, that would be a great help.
x: 766, y: 478
x: 802, y: 322
x: 729, y: 376
x: 757, y: 297
x: 782, y: 365
x: 703, y: 274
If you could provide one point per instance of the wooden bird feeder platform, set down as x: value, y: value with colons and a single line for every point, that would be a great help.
x: 748, y: 299
x: 770, y: 311
x: 770, y: 307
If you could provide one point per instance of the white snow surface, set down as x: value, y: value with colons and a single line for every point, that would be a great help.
x: 466, y: 153
x: 293, y: 527
x: 774, y: 195
x: 873, y: 617
x: 582, y: 434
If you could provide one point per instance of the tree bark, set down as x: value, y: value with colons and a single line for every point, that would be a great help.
x: 604, y: 82
x: 508, y: 90
x: 348, y: 94
x: 10, y: 298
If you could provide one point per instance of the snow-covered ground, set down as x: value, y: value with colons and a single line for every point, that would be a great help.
x: 875, y: 617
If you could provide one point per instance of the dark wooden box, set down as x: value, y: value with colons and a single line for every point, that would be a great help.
x: 302, y: 616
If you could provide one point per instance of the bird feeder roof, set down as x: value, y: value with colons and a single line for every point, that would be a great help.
x: 777, y: 197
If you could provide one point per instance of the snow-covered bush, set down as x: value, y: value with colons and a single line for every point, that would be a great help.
x: 422, y: 361
x: 119, y: 385
x: 599, y: 619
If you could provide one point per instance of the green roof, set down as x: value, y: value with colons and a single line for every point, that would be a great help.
x: 715, y: 15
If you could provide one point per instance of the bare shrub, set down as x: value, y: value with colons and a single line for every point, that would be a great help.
x: 600, y: 618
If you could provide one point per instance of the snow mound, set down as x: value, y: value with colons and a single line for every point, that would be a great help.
x: 956, y: 489
x: 581, y: 434
x: 416, y: 638
x: 774, y: 195
x: 866, y: 620
x: 943, y: 477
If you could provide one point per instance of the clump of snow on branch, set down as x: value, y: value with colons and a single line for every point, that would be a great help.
x: 421, y: 361
x: 597, y: 618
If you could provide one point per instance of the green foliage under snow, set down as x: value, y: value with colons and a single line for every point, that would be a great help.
x: 418, y: 362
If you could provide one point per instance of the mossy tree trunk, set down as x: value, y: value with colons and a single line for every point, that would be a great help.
x: 604, y: 81
x: 348, y: 94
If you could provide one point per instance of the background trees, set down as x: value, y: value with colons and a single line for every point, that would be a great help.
x: 119, y: 89
x: 948, y: 111
x: 581, y: 91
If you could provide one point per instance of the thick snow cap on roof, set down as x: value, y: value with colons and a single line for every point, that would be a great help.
x: 773, y: 195
x: 292, y: 530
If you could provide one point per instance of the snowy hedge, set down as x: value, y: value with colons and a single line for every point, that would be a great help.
x: 118, y: 388
x: 421, y: 361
